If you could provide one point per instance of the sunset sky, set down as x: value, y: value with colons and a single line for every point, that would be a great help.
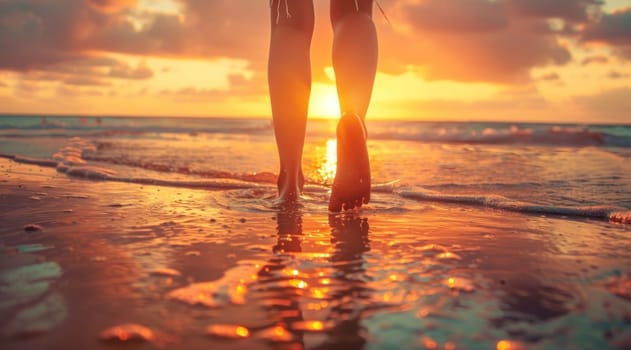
x: 506, y: 60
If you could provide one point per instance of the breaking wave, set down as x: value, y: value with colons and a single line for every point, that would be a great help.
x: 611, y: 213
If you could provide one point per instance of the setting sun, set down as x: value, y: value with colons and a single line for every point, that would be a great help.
x: 324, y: 102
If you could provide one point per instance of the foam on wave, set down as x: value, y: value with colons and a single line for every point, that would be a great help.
x: 612, y: 213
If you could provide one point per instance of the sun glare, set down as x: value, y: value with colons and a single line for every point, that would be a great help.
x: 324, y: 102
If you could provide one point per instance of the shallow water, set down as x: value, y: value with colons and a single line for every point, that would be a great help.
x: 199, y: 276
x: 543, y: 165
x: 165, y: 235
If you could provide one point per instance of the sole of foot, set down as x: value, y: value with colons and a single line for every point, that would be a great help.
x: 351, y: 186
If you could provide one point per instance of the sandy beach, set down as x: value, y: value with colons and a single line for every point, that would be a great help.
x: 79, y: 257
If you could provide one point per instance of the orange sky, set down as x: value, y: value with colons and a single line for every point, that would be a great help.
x: 505, y: 60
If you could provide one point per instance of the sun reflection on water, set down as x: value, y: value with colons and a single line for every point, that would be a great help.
x: 326, y: 171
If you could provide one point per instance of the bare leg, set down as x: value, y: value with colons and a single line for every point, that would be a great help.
x: 289, y: 74
x: 355, y: 63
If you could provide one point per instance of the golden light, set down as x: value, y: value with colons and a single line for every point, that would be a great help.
x: 279, y: 331
x: 319, y: 293
x: 508, y: 345
x: 315, y: 326
x: 242, y: 332
x: 430, y: 343
x: 329, y: 166
x: 296, y: 283
x: 237, y: 294
x: 449, y: 256
x: 122, y: 335
x: 125, y: 332
x: 324, y: 102
x: 228, y: 331
x: 309, y: 326
x: 503, y: 345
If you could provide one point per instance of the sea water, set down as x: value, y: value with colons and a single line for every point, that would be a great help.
x: 478, y: 236
x: 582, y: 170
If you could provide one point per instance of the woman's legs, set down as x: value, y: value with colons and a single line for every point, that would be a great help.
x: 289, y: 74
x: 355, y: 54
x: 289, y: 78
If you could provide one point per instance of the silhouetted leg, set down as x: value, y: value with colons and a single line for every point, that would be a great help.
x: 355, y: 54
x: 289, y: 74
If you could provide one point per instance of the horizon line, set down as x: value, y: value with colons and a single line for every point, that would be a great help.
x: 379, y: 119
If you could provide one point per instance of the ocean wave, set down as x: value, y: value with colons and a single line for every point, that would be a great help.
x: 259, y: 177
x: 611, y: 213
x: 483, y: 133
x: 92, y: 172
x: 73, y: 169
x: 30, y: 160
x: 107, y: 127
x: 79, y: 158
x: 543, y: 135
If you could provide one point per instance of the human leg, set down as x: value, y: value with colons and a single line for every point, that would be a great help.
x: 289, y: 78
x: 355, y: 64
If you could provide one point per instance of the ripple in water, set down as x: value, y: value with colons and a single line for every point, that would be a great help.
x: 126, y: 333
x: 227, y: 331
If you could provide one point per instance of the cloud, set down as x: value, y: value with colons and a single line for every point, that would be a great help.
x: 459, y: 40
x: 614, y: 102
x: 88, y: 71
x: 456, y: 16
x: 550, y: 77
x: 575, y: 11
x: 26, y: 89
x: 595, y: 59
x: 477, y: 40
x: 75, y: 91
x: 613, y: 29
x: 617, y: 75
x: 111, y: 5
x: 624, y: 52
x: 521, y: 104
x: 36, y: 34
x: 125, y: 71
x: 84, y: 81
x: 239, y: 86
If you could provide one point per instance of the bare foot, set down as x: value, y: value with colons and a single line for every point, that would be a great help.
x: 289, y: 188
x: 351, y: 187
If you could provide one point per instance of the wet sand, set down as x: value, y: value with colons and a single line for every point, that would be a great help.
x: 78, y: 257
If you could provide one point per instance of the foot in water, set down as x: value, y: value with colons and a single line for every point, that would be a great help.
x: 351, y: 187
x: 289, y: 189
